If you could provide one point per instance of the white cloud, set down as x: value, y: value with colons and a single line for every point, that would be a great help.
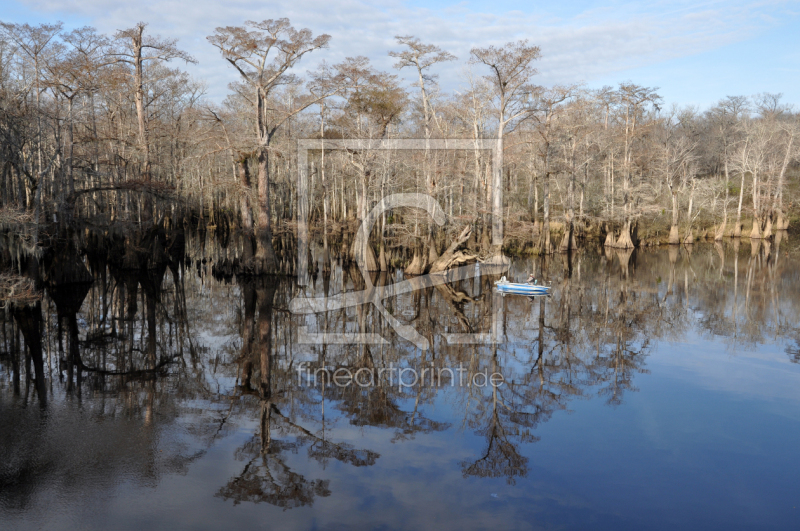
x: 586, y: 45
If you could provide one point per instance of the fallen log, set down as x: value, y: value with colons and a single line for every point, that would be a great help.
x: 453, y: 257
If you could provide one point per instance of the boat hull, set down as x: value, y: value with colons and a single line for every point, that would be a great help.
x: 523, y: 289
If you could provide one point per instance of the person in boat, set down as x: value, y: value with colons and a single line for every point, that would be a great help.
x: 531, y: 279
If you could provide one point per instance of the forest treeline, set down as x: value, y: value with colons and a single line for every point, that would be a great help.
x: 106, y: 132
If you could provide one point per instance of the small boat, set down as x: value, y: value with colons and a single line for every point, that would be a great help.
x: 504, y: 286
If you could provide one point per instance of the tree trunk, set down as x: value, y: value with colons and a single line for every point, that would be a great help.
x: 497, y: 193
x: 720, y: 233
x: 432, y: 254
x: 497, y: 200
x: 383, y: 264
x: 362, y: 251
x: 417, y: 265
x: 265, y: 256
x: 737, y: 230
x: 767, y: 227
x: 545, y: 241
x: 325, y: 200
x: 783, y: 221
x: 755, y: 233
x: 689, y: 239
x: 141, y: 119
x: 674, y: 237
x: 70, y: 149
x: 568, y: 242
x: 625, y: 241
x: 243, y: 171
x: 610, y: 242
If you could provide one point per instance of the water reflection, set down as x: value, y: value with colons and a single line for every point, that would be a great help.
x: 140, y: 367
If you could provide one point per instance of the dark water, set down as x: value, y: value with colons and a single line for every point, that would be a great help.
x: 653, y: 390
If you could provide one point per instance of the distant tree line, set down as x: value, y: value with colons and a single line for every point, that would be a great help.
x: 107, y: 130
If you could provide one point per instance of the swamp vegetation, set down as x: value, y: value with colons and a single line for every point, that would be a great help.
x: 149, y: 259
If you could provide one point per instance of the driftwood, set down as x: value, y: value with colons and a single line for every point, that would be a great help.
x: 452, y: 257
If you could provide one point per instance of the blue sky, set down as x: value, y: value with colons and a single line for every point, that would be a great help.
x: 695, y: 52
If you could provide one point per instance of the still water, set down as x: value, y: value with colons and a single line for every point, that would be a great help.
x: 658, y: 389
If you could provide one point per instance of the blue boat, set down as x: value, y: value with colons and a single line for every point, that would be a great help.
x: 504, y: 286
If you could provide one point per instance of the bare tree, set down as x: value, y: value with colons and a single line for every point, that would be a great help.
x: 421, y: 57
x: 751, y: 158
x: 724, y: 117
x: 263, y: 57
x: 374, y: 100
x: 34, y: 42
x: 791, y: 130
x: 77, y: 73
x: 545, y: 110
x: 510, y: 72
x: 633, y: 99
x: 139, y: 51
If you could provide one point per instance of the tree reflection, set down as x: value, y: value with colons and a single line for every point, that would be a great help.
x: 127, y: 332
x: 267, y: 477
x: 504, y: 426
